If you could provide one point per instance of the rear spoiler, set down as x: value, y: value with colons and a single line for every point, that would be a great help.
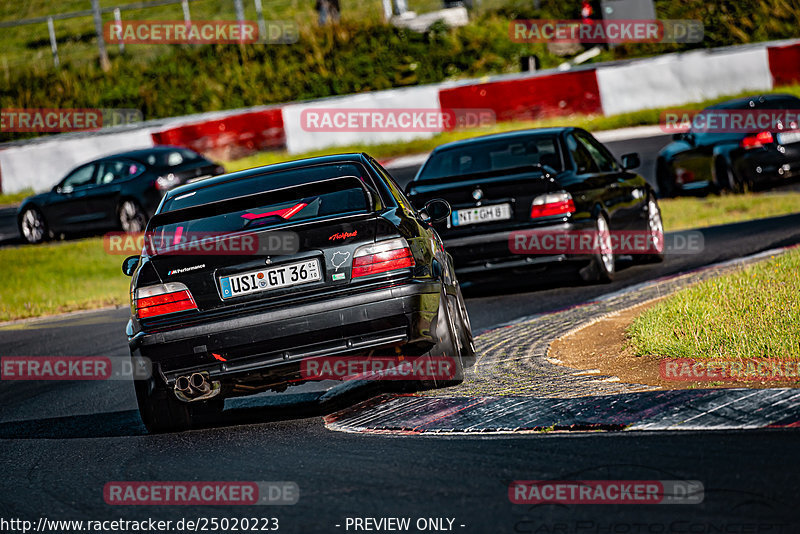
x: 275, y: 196
x: 546, y: 171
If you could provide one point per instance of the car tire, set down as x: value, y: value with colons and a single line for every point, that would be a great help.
x: 665, y: 180
x: 603, y: 265
x: 162, y: 412
x: 32, y: 226
x: 727, y: 179
x: 131, y: 217
x: 655, y: 228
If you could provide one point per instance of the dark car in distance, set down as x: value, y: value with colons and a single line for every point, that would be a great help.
x: 119, y: 191
x: 550, y: 180
x: 733, y: 159
x: 368, y: 276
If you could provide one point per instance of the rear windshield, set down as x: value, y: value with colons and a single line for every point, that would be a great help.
x: 261, y: 183
x: 493, y: 156
x: 172, y: 158
x: 345, y: 196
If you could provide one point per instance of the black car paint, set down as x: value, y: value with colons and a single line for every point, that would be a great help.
x: 264, y: 336
x: 95, y: 207
x: 700, y: 161
x: 620, y: 195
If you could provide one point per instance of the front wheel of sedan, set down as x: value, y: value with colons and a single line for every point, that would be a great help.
x: 32, y: 226
x: 603, y: 264
x: 131, y: 217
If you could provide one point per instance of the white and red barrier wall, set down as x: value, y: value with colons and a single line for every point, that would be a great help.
x: 612, y: 88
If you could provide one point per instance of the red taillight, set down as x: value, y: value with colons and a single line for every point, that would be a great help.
x: 758, y: 140
x: 172, y: 297
x: 382, y: 257
x: 552, y: 204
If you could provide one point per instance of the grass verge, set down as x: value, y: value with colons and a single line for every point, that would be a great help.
x: 753, y: 313
x: 59, y: 277
x: 9, y: 199
x: 690, y: 212
x: 74, y: 275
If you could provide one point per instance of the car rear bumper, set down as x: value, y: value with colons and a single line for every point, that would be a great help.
x: 764, y: 166
x: 493, y: 251
x: 274, y: 342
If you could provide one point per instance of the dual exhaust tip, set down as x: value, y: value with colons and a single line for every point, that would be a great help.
x: 196, y: 386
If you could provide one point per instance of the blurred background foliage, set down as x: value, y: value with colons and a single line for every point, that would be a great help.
x: 362, y: 53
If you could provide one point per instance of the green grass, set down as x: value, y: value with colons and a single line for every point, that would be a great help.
x: 59, y: 277
x: 417, y: 146
x: 752, y: 313
x: 14, y: 198
x: 685, y: 213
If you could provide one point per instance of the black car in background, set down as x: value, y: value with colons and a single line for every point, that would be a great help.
x: 718, y: 160
x: 120, y: 191
x: 556, y: 180
x: 368, y: 276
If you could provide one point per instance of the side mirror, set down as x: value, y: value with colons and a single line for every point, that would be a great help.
x: 436, y: 210
x: 129, y: 265
x: 684, y: 136
x: 630, y: 161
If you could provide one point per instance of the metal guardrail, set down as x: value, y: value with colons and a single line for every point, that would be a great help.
x: 90, y: 12
x: 96, y: 13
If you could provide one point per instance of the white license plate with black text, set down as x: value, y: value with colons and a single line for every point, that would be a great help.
x: 291, y: 274
x: 787, y: 138
x: 482, y: 214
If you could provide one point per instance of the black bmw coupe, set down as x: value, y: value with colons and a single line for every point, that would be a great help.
x: 528, y: 198
x: 342, y: 266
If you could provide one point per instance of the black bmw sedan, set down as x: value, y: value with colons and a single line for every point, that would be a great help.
x: 538, y: 198
x: 120, y: 191
x: 250, y: 279
x: 736, y: 145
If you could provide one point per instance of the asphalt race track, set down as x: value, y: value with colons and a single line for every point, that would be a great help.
x: 63, y: 441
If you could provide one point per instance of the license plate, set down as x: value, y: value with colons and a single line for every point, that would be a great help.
x: 291, y: 274
x: 786, y: 138
x: 482, y: 214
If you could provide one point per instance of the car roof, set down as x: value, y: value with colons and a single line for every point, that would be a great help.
x: 141, y: 154
x: 503, y: 135
x: 264, y: 169
x: 744, y: 102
